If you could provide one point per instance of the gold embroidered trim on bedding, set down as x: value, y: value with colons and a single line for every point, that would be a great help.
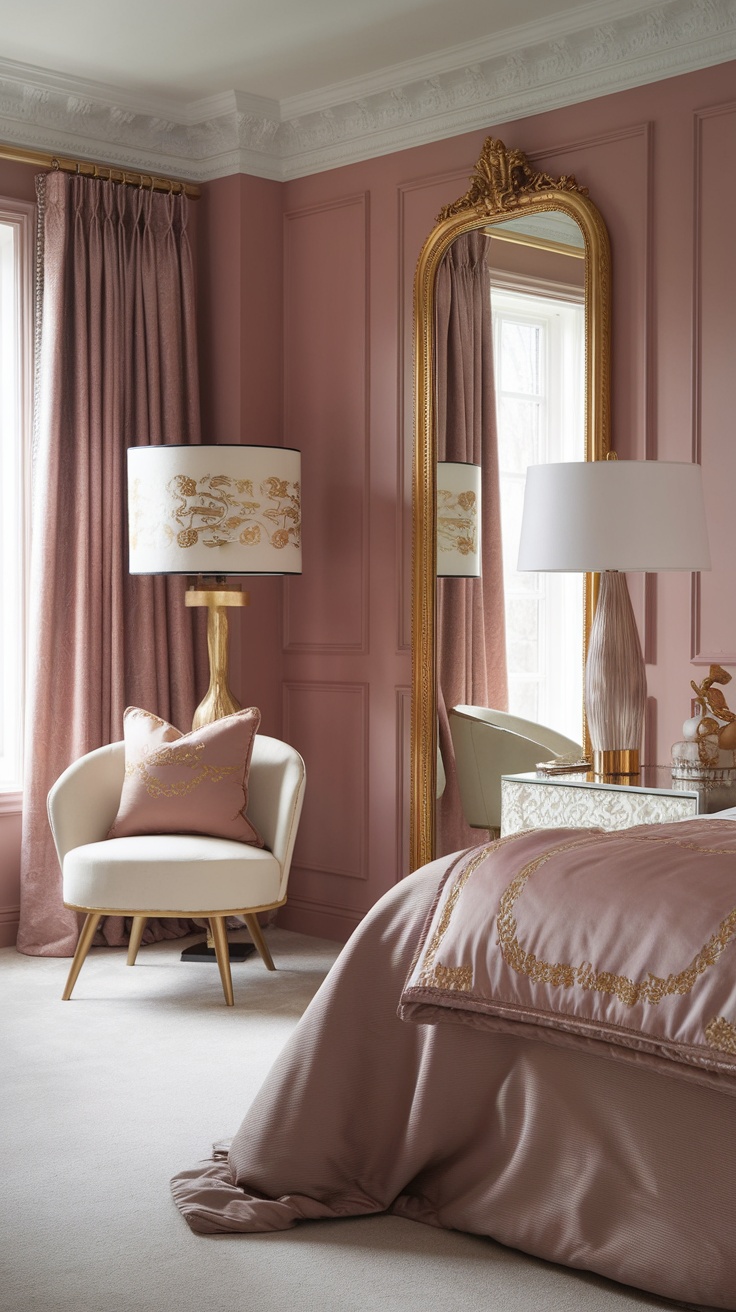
x: 721, y: 1034
x: 561, y: 974
x: 458, y: 978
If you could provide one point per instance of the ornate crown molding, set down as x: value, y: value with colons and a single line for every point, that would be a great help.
x: 530, y: 70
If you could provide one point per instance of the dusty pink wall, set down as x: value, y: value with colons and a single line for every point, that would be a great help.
x: 315, y: 278
x: 654, y: 160
x: 240, y: 305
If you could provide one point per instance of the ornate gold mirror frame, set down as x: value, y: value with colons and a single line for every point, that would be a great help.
x: 504, y: 185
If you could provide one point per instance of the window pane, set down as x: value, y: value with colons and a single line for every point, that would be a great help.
x: 520, y: 422
x: 14, y: 387
x: 539, y: 370
x: 520, y: 357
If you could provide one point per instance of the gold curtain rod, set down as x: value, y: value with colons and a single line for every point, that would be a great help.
x: 104, y: 171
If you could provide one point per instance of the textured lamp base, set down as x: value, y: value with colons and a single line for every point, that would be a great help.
x: 615, y: 681
x: 218, y: 701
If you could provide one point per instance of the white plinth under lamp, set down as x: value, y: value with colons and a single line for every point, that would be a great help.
x: 610, y: 517
x: 212, y: 513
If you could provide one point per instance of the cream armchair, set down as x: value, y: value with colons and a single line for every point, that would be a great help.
x: 176, y: 875
x: 488, y: 744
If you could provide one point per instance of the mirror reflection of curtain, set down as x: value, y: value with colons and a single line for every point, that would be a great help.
x: 471, y: 640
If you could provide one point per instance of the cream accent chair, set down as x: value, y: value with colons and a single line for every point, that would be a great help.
x: 178, y: 875
x: 489, y: 744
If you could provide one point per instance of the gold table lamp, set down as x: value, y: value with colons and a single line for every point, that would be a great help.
x: 211, y: 513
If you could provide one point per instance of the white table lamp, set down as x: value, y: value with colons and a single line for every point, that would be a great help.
x: 610, y: 517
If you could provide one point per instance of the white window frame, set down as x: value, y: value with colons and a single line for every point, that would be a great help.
x: 560, y: 697
x: 15, y: 477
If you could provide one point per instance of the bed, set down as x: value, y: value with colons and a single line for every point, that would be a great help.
x: 473, y: 1102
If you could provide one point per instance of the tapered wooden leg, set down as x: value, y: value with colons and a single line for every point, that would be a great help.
x: 136, y: 934
x: 222, y: 952
x: 260, y: 942
x: 83, y: 946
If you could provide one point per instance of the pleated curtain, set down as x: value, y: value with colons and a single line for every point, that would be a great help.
x: 116, y: 366
x: 471, y: 638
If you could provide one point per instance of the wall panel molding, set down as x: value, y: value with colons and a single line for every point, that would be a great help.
x: 321, y: 404
x: 327, y: 722
x: 713, y: 294
x: 403, y: 779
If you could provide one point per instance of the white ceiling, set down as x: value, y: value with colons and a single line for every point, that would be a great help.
x: 199, y: 88
x: 188, y: 49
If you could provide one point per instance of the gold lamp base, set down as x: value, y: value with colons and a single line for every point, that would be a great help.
x: 218, y: 701
x: 622, y: 764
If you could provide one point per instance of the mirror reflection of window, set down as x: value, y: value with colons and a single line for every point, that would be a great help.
x: 539, y: 344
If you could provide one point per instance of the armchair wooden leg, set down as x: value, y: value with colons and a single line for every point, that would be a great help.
x: 136, y: 934
x: 260, y: 942
x: 222, y: 952
x: 83, y: 946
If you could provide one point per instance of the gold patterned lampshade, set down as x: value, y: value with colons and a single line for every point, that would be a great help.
x: 214, y: 510
x: 458, y: 520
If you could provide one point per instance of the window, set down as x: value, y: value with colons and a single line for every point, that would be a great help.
x: 16, y: 228
x: 539, y: 372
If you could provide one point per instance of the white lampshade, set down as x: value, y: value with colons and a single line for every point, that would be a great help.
x: 614, y: 515
x: 214, y: 510
x: 458, y: 520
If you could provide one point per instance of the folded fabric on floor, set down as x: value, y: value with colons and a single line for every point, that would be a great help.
x: 624, y: 939
x: 562, y: 1153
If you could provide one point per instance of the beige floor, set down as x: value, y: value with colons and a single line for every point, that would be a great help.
x: 105, y: 1097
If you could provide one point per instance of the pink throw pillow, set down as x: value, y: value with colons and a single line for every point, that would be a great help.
x: 193, y: 783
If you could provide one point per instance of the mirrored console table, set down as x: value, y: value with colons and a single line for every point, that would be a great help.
x: 537, y: 801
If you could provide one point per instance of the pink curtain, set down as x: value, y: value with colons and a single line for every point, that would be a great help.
x: 471, y: 637
x: 116, y: 367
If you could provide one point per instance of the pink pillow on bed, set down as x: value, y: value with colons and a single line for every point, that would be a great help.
x: 193, y: 783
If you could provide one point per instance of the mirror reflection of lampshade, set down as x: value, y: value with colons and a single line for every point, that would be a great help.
x: 458, y: 519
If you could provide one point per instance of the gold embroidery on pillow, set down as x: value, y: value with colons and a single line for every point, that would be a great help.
x: 186, y: 759
x: 651, y: 989
x: 721, y: 1034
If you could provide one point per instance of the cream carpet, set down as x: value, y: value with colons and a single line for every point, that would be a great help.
x: 107, y: 1096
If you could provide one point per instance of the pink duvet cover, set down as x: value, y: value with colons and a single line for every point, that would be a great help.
x: 568, y: 1154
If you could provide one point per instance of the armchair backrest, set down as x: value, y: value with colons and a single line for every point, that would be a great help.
x: 490, y: 743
